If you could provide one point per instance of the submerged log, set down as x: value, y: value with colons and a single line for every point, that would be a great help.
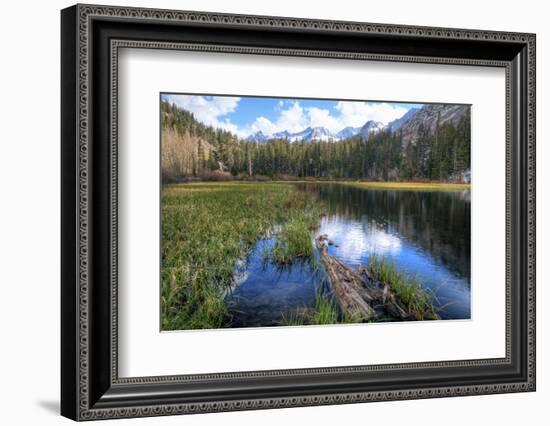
x: 347, y: 285
x: 359, y: 295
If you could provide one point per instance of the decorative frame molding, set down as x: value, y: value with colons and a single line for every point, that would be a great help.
x: 91, y: 37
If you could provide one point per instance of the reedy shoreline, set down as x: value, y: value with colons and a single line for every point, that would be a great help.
x: 393, y: 185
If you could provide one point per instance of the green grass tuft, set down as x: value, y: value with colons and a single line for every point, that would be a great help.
x: 325, y: 310
x: 293, y: 242
x: 406, y: 288
x: 325, y: 313
x: 293, y: 319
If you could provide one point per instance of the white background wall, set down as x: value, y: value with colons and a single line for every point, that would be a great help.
x: 29, y: 212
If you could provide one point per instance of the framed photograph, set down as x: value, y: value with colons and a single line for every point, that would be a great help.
x: 263, y: 212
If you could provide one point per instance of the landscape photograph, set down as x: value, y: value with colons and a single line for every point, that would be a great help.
x: 279, y: 211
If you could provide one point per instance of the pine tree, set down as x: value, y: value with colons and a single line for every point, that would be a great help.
x: 249, y: 159
x: 201, y: 159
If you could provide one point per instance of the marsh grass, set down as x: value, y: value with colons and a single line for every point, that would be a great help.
x: 405, y: 186
x: 325, y: 313
x: 325, y: 310
x: 207, y: 227
x: 293, y: 242
x: 406, y: 288
x: 292, y: 319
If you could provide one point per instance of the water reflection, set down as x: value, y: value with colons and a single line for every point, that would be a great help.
x: 264, y: 294
x: 426, y: 234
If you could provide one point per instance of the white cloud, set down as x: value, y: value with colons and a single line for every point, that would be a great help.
x: 208, y: 110
x: 352, y: 113
x: 293, y: 119
x: 319, y: 117
x: 261, y: 124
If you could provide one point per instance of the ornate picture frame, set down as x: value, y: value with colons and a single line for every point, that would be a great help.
x: 91, y: 37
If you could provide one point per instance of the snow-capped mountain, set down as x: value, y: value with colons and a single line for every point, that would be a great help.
x: 285, y: 134
x: 319, y: 134
x: 259, y: 136
x: 323, y: 134
x: 307, y: 135
x: 348, y: 132
x: 369, y: 127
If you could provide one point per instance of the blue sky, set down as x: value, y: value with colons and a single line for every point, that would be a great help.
x: 246, y: 115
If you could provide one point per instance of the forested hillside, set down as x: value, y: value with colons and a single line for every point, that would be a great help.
x: 431, y: 143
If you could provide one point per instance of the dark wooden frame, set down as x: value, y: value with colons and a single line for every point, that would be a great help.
x: 90, y: 386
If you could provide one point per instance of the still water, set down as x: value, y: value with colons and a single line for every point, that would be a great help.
x: 424, y: 233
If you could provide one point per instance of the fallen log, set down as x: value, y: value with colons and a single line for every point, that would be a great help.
x: 347, y: 285
x: 359, y: 295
